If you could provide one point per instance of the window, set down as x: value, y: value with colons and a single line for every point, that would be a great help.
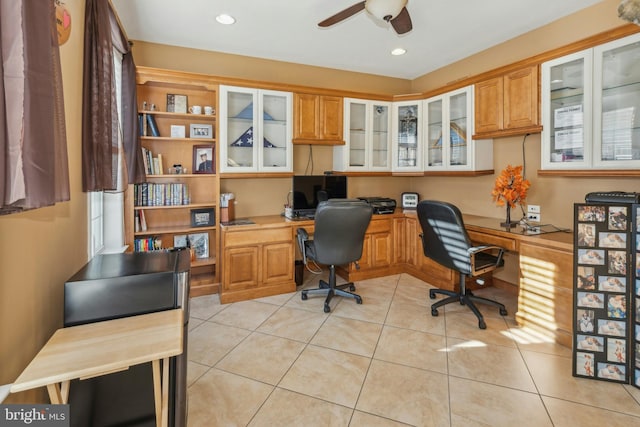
x: 106, y: 223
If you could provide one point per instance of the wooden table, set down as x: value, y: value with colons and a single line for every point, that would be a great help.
x: 101, y: 348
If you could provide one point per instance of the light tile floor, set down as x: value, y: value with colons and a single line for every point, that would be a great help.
x: 280, y: 361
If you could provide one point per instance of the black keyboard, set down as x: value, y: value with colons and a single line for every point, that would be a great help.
x: 612, y: 197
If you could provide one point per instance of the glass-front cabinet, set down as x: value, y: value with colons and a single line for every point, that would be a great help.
x: 255, y: 130
x: 616, y: 101
x: 566, y: 111
x: 407, y: 136
x: 449, y: 127
x: 589, y: 100
x: 367, y: 126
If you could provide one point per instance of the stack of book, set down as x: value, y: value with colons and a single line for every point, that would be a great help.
x: 152, y: 165
x: 159, y: 194
x: 147, y: 244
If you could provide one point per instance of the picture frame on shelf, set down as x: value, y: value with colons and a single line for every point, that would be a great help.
x: 201, y: 131
x: 176, y: 103
x: 203, y: 159
x: 205, y: 217
x: 200, y: 244
x: 180, y: 241
x: 178, y: 131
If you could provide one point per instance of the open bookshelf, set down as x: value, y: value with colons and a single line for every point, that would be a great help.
x: 177, y: 203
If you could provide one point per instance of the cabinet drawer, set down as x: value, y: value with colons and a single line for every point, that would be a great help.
x: 248, y: 237
x: 486, y: 239
x: 379, y: 226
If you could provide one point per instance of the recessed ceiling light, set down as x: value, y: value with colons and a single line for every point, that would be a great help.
x: 398, y: 51
x: 225, y: 19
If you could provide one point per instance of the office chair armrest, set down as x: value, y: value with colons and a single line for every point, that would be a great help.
x: 302, y: 237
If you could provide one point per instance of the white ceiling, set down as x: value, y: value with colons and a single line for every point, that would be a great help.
x: 444, y: 31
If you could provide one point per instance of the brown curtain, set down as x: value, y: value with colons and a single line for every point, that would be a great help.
x: 99, y: 109
x: 33, y: 145
x: 129, y: 103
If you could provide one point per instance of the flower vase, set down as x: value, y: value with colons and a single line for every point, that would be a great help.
x: 508, y: 223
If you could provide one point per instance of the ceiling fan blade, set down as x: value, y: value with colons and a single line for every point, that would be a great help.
x: 402, y: 22
x: 342, y: 15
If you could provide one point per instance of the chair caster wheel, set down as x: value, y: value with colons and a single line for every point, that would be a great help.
x: 482, y: 325
x: 303, y: 295
x: 327, y: 309
x: 358, y: 300
x: 434, y: 312
x: 432, y: 295
x: 352, y: 287
x: 503, y: 312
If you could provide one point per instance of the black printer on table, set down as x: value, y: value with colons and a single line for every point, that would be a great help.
x: 380, y: 205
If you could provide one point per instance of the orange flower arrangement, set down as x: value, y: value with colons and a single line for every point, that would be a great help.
x: 511, y: 188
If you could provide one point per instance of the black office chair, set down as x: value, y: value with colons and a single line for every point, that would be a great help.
x: 445, y: 240
x: 338, y: 237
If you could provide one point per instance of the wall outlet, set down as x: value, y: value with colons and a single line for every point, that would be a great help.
x: 533, y: 209
x: 535, y: 217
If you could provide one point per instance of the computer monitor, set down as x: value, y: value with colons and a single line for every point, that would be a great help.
x: 307, y: 192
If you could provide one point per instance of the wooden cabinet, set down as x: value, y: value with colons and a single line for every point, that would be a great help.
x: 589, y: 100
x: 508, y: 105
x: 406, y: 136
x: 545, y: 298
x: 448, y: 127
x: 161, y: 212
x: 257, y: 262
x: 250, y: 115
x: 367, y: 134
x: 317, y: 119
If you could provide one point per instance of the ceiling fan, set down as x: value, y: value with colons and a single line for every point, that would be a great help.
x: 392, y: 11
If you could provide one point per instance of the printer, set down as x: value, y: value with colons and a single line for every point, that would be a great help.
x: 380, y: 205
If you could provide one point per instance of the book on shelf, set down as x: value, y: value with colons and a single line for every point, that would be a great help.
x: 143, y: 221
x: 136, y: 221
x: 156, y: 165
x: 142, y: 128
x: 153, y: 126
x: 160, y: 169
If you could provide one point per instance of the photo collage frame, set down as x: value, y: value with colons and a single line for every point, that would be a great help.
x: 602, y: 307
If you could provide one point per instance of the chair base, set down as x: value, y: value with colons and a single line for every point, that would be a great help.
x: 331, y: 289
x: 465, y: 298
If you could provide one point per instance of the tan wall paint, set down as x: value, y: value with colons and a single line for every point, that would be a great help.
x: 40, y: 249
x: 244, y: 67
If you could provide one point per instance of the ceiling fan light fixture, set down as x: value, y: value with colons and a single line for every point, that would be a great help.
x: 385, y: 10
x: 225, y: 19
x: 398, y: 51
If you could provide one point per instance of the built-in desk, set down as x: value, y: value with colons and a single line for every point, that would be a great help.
x: 258, y: 260
x: 545, y: 274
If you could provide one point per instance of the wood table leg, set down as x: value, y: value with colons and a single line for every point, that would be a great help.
x: 165, y: 392
x: 161, y: 390
x: 56, y: 394
x: 157, y: 390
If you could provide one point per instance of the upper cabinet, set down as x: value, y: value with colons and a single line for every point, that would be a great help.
x: 508, y: 105
x: 367, y: 133
x: 589, y: 100
x: 449, y: 126
x: 255, y: 130
x: 407, y: 136
x: 317, y: 119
